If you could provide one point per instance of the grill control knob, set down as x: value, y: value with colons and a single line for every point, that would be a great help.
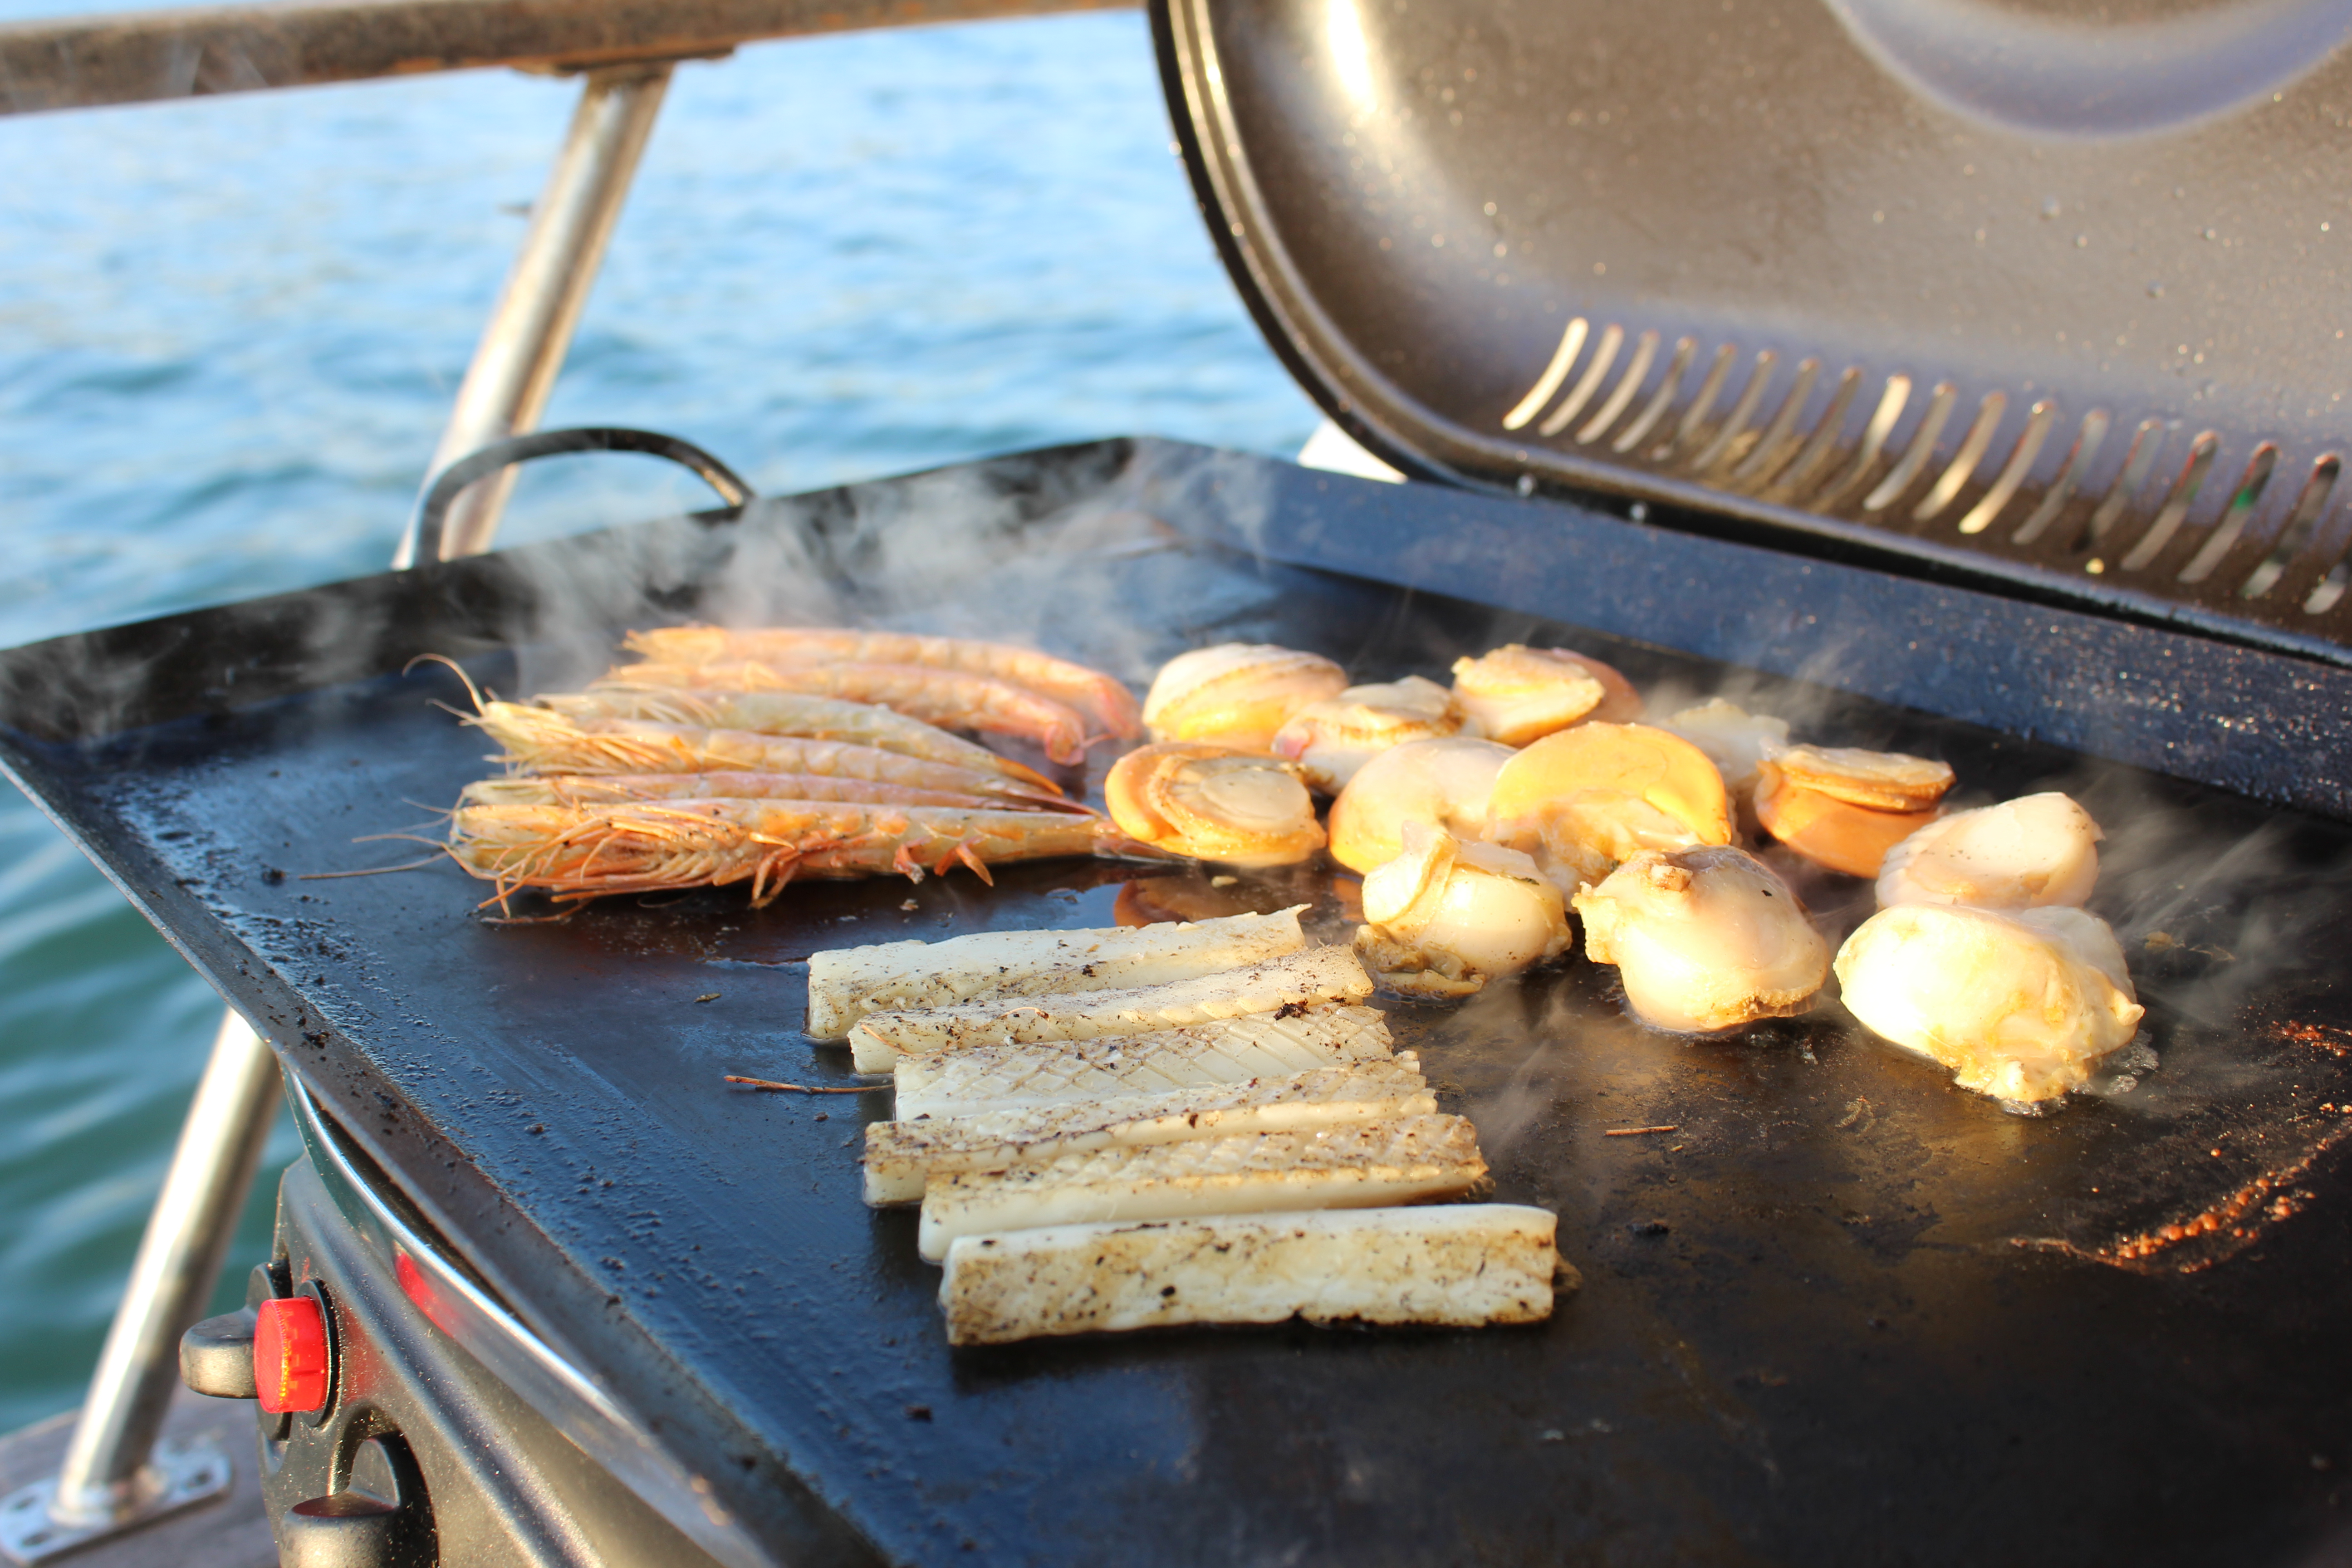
x: 293, y: 1363
x: 216, y: 1356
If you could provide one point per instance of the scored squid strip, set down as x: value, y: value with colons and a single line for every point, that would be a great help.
x: 1103, y: 700
x: 1297, y: 980
x: 1226, y: 1051
x: 1463, y: 1266
x: 576, y: 853
x: 1402, y: 1160
x: 790, y: 713
x: 614, y: 789
x: 901, y: 1156
x: 846, y: 984
x: 540, y: 741
x: 950, y: 697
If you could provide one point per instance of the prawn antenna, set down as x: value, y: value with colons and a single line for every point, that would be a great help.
x: 455, y: 669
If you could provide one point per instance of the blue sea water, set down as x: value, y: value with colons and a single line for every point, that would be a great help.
x: 230, y: 330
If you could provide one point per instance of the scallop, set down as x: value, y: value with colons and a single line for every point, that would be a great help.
x: 1875, y: 781
x: 1236, y: 694
x: 2036, y: 850
x: 1446, y: 916
x: 1734, y: 739
x: 2021, y: 1006
x: 1585, y: 800
x: 1828, y: 831
x: 1332, y: 739
x: 1517, y: 694
x: 1213, y: 802
x: 1704, y: 940
x: 1443, y: 784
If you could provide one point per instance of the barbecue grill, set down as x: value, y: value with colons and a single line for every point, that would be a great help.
x: 1708, y: 371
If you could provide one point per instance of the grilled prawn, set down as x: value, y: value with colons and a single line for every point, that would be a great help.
x: 954, y: 698
x: 576, y: 853
x: 541, y: 741
x: 619, y: 789
x: 1105, y: 702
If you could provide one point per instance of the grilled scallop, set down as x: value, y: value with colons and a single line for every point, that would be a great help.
x: 1517, y: 694
x: 1446, y: 917
x: 1212, y: 802
x: 1704, y: 939
x: 2020, y: 1005
x: 1331, y: 741
x: 1828, y: 831
x: 1443, y: 783
x: 1236, y: 694
x: 1734, y: 739
x: 1875, y: 781
x: 2035, y: 850
x: 1584, y: 800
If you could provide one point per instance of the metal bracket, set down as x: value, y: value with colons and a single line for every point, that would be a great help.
x: 179, y: 1474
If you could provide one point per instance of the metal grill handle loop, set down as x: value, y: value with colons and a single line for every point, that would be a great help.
x: 480, y: 465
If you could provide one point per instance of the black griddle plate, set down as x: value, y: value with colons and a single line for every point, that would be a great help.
x: 1844, y: 1313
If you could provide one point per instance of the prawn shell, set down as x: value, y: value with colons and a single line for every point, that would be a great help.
x: 576, y: 852
x: 774, y: 712
x: 1101, y: 698
x: 615, y: 789
x: 954, y: 699
x: 542, y: 741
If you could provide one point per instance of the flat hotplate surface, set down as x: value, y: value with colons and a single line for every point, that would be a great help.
x: 1843, y: 1312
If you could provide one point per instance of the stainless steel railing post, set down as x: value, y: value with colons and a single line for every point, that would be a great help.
x: 522, y: 347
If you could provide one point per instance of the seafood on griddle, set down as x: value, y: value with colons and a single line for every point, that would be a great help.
x: 1845, y: 807
x: 1236, y: 694
x: 1585, y: 800
x: 1332, y: 739
x: 1106, y: 701
x: 1445, y: 784
x: 1704, y: 940
x: 541, y: 741
x: 575, y: 853
x: 614, y: 789
x: 1213, y: 802
x: 1735, y: 741
x: 953, y: 699
x: 1446, y: 916
x: 2021, y: 1004
x: 1517, y: 695
x: 2035, y: 850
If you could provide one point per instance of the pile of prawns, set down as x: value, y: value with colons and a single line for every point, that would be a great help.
x: 761, y: 756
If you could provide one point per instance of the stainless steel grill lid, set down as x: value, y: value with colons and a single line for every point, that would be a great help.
x: 2046, y: 291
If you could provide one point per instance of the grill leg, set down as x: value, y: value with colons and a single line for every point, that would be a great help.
x: 530, y: 329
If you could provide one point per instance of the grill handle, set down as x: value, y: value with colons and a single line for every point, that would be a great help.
x: 481, y: 464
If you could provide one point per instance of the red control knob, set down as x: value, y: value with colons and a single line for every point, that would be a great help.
x: 290, y: 1358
